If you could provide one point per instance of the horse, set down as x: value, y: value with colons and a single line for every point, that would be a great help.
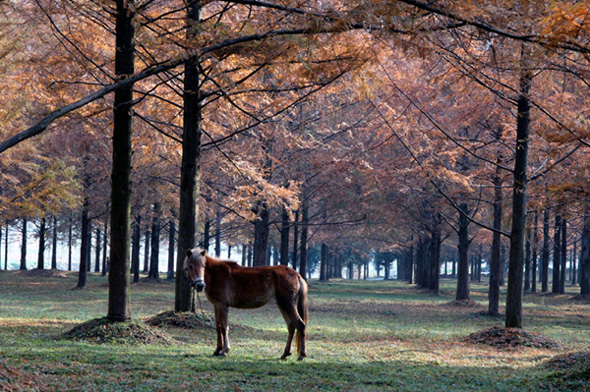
x: 227, y: 284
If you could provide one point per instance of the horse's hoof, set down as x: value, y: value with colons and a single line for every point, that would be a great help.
x: 285, y: 356
x: 301, y: 356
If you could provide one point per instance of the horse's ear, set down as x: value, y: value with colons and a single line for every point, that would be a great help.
x: 189, y: 253
x: 203, y: 251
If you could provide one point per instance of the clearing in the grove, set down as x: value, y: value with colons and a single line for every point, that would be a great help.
x: 362, y: 336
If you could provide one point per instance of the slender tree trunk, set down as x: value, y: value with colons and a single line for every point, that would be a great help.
x: 463, y: 247
x: 118, y: 307
x: 155, y: 250
x: 435, y: 244
x: 515, y: 271
x: 527, y: 262
x: 171, y: 238
x: 54, y: 244
x: 563, y: 260
x: 585, y: 255
x: 147, y: 248
x: 83, y: 268
x: 535, y: 241
x: 70, y: 241
x: 41, y: 253
x: 324, y: 263
x: 23, y: 248
x: 97, y: 250
x: 218, y: 232
x: 556, y: 254
x: 6, y: 247
x: 207, y: 235
x: 284, y: 238
x: 261, y: 234
x: 545, y: 253
x: 105, y: 263
x: 304, y: 244
x: 136, y: 244
x: 190, y: 165
x: 295, y: 239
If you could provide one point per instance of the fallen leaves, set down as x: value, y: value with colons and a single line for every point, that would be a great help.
x: 501, y: 337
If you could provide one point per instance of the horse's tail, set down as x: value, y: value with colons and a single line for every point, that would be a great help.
x: 302, y: 310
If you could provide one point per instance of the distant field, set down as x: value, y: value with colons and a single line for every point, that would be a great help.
x: 363, y: 336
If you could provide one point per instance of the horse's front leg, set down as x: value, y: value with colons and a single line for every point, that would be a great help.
x: 221, y: 325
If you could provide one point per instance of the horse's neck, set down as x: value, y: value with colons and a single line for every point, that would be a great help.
x: 211, y: 261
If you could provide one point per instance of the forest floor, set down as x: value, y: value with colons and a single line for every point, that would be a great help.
x: 362, y: 336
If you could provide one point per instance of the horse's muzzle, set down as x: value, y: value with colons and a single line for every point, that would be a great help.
x: 199, y: 285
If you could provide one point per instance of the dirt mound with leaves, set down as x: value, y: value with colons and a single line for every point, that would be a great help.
x: 13, y: 379
x: 186, y: 320
x: 463, y: 303
x: 510, y: 338
x: 130, y: 332
x: 45, y: 273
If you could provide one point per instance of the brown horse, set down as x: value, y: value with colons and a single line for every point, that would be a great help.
x: 228, y: 284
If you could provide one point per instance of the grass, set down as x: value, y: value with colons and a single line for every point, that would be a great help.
x: 363, y: 336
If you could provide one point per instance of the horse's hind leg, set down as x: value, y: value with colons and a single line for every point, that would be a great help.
x: 294, y: 322
x: 221, y: 325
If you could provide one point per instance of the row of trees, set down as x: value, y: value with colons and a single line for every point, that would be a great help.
x: 376, y: 126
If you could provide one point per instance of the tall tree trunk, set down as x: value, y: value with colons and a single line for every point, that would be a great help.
x: 563, y: 260
x: 190, y: 166
x: 54, y: 244
x: 171, y: 238
x: 41, y: 253
x: 136, y: 245
x: 118, y: 307
x: 218, y: 232
x: 295, y: 239
x: 304, y: 244
x: 527, y: 262
x: 463, y: 247
x: 70, y: 241
x: 23, y: 248
x: 155, y: 254
x: 97, y: 250
x: 585, y: 255
x: 556, y: 254
x: 435, y: 244
x: 535, y: 242
x: 545, y: 253
x: 284, y: 238
x: 84, y: 245
x: 147, y: 248
x: 105, y: 264
x: 324, y: 263
x: 515, y: 271
x: 6, y: 246
x: 261, y: 234
x: 207, y: 235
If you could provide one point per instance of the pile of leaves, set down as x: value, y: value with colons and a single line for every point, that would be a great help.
x: 103, y: 330
x: 13, y: 379
x: 571, y: 370
x: 463, y: 303
x: 501, y: 337
x: 45, y: 273
x: 186, y: 320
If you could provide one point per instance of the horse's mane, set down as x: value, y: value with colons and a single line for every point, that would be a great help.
x: 215, y: 260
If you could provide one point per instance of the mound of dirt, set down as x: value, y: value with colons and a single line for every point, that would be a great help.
x: 502, y: 337
x: 45, y: 273
x: 463, y: 303
x: 186, y: 320
x: 13, y: 379
x: 130, y: 332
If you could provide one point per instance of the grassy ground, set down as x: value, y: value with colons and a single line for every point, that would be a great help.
x: 363, y: 336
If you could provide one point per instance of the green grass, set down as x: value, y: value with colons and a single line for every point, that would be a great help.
x: 362, y: 336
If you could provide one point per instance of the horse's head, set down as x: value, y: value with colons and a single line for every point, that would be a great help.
x: 194, y: 267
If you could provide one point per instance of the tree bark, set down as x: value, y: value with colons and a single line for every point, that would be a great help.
x: 84, y: 245
x: 146, y: 254
x: 463, y: 247
x: 556, y: 254
x: 54, y: 244
x: 105, y: 264
x: 136, y: 245
x: 304, y: 244
x: 285, y: 238
x: 171, y: 239
x: 41, y: 252
x: 563, y: 260
x: 97, y: 250
x: 534, y: 245
x: 118, y: 307
x: 261, y: 234
x: 545, y: 253
x: 23, y: 248
x: 515, y: 271
x: 324, y: 263
x: 584, y: 274
x: 218, y: 232
x: 435, y: 244
x: 190, y: 165
x: 155, y: 253
x: 295, y: 239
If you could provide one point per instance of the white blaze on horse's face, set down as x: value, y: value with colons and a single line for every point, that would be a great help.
x: 194, y: 267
